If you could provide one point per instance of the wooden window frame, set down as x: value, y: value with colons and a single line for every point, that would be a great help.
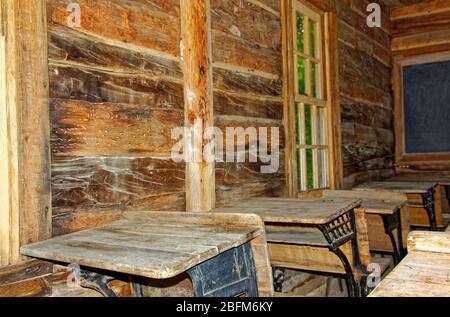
x: 330, y: 90
x: 403, y: 159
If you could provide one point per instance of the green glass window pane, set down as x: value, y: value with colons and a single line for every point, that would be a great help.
x: 301, y: 65
x: 314, y: 78
x: 299, y: 171
x: 310, y: 168
x: 321, y: 126
x: 322, y: 159
x: 308, y: 125
x: 300, y: 33
x: 312, y: 38
x: 297, y: 124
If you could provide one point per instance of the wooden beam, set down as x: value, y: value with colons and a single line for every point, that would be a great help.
x: 25, y: 199
x: 197, y: 69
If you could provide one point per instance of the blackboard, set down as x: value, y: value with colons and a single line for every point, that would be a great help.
x: 427, y: 107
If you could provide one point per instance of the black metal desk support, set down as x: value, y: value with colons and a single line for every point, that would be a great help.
x: 337, y: 233
x: 391, y: 223
x: 230, y: 274
x: 429, y: 205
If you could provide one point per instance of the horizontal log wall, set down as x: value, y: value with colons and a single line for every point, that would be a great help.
x: 116, y: 92
x: 365, y: 94
x: 417, y: 30
x: 421, y: 28
x: 248, y: 87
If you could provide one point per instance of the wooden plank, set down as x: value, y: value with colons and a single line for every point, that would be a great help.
x: 429, y: 242
x: 198, y: 85
x: 26, y: 203
x: 420, y: 9
x: 294, y: 211
x: 402, y: 187
x: 156, y: 249
x: 28, y: 279
x: 372, y: 202
x: 80, y: 128
x: 420, y: 274
x: 152, y: 25
x: 121, y: 183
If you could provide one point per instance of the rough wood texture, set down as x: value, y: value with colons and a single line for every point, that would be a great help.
x: 196, y: 59
x: 151, y: 245
x: 24, y: 138
x: 421, y: 28
x: 116, y: 88
x: 246, y: 44
x: 365, y: 97
x: 28, y: 279
x: 429, y: 242
x: 294, y: 211
x: 287, y: 244
x: 424, y: 272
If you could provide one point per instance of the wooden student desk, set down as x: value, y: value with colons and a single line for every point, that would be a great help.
x: 302, y: 232
x: 385, y: 213
x: 425, y: 272
x: 443, y: 192
x: 424, y: 190
x: 225, y: 255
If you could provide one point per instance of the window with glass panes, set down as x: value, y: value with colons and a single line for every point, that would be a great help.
x: 312, y: 148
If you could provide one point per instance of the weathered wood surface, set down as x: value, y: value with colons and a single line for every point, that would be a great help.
x: 116, y: 89
x: 28, y: 279
x: 383, y: 203
x: 422, y: 177
x: 294, y: 211
x: 196, y: 60
x: 141, y: 248
x: 25, y: 197
x: 421, y: 28
x: 425, y: 270
x: 161, y: 245
x: 247, y: 88
x: 399, y: 187
x: 429, y: 242
x: 364, y: 93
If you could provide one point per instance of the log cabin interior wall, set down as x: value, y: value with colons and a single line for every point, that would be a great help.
x: 365, y: 94
x: 116, y: 92
x: 420, y: 34
x: 248, y: 88
x: 124, y: 67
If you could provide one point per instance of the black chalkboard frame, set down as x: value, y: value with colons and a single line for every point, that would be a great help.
x: 402, y: 158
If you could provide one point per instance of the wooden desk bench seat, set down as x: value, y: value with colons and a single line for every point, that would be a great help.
x: 316, y: 245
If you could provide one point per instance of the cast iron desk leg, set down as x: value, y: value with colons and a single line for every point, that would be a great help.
x: 392, y: 222
x: 229, y: 274
x: 429, y: 205
x: 337, y: 233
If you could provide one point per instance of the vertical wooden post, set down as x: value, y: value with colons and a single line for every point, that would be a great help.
x: 197, y: 68
x: 25, y: 199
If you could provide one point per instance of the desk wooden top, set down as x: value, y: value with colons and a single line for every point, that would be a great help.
x: 147, y: 246
x: 381, y: 203
x: 399, y: 187
x: 420, y: 274
x: 294, y: 211
x: 425, y: 272
x: 441, y: 180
